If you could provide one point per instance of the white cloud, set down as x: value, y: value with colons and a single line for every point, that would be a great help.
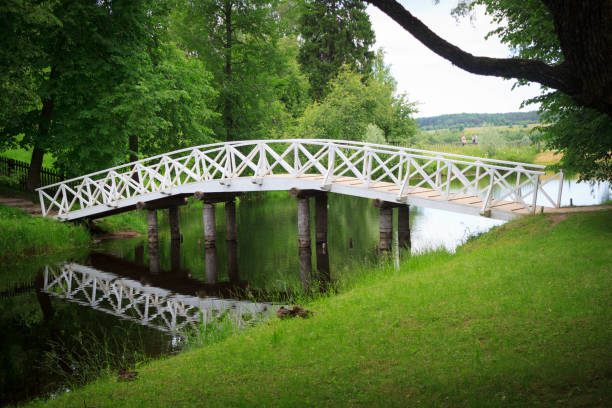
x: 438, y: 85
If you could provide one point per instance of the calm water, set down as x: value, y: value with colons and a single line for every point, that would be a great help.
x: 43, y: 301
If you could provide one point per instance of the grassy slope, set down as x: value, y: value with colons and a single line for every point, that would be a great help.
x: 24, y: 235
x: 518, y: 316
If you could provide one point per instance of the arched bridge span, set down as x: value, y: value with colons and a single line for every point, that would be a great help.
x: 473, y: 185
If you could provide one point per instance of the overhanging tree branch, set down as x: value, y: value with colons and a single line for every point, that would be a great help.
x: 567, y: 77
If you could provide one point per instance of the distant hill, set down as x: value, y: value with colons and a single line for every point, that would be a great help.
x: 465, y: 120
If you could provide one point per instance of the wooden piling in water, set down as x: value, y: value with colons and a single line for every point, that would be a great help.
x: 323, y: 270
x: 173, y: 218
x: 321, y: 219
x: 210, y: 228
x: 212, y: 274
x: 175, y: 255
x: 303, y: 206
x: 232, y: 261
x: 403, y: 226
x: 305, y: 253
x: 231, y: 228
x: 153, y: 235
x: 386, y: 228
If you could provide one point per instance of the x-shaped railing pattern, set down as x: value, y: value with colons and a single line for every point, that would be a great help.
x: 408, y: 169
x: 146, y: 305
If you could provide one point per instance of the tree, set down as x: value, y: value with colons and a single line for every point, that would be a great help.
x: 583, y: 134
x: 162, y: 105
x: 102, y: 83
x: 355, y: 102
x: 237, y: 40
x: 581, y: 32
x: 71, y: 55
x: 333, y: 33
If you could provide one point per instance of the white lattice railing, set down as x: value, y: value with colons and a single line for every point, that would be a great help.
x: 146, y: 305
x: 408, y: 169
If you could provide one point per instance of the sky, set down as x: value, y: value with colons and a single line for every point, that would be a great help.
x: 435, y: 83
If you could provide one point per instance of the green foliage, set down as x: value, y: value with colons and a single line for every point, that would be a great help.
x: 334, y: 33
x: 24, y: 235
x: 164, y: 103
x: 238, y: 41
x: 490, y: 140
x: 459, y: 121
x: 583, y: 135
x: 374, y: 134
x: 353, y: 103
x: 96, y: 74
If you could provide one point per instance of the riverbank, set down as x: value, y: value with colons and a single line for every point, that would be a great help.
x: 22, y: 234
x: 518, y: 316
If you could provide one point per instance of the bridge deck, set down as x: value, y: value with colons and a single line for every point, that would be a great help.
x: 419, y: 196
x: 428, y: 179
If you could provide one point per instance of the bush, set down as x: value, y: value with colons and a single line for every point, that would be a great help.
x: 374, y: 134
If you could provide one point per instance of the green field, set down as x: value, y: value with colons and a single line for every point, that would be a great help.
x: 519, y: 316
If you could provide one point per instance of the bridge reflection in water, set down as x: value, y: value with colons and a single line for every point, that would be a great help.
x: 170, y: 302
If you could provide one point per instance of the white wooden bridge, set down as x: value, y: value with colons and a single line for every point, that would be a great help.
x: 146, y: 305
x: 472, y: 185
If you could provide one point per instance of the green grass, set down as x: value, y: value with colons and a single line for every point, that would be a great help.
x: 128, y: 221
x: 524, y: 154
x: 23, y: 235
x: 519, y: 316
x: 26, y: 155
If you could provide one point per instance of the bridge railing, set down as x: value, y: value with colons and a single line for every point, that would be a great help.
x: 146, y: 305
x: 409, y: 169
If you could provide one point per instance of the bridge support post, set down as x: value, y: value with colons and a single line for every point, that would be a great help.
x: 173, y: 218
x: 175, y: 255
x: 212, y: 274
x: 231, y: 230
x: 139, y: 254
x: 403, y: 226
x: 231, y: 238
x: 153, y: 241
x: 210, y: 228
x: 304, y: 240
x: 321, y: 239
x: 386, y: 228
x: 232, y: 261
x: 386, y: 223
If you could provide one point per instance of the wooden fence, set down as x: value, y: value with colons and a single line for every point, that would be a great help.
x: 18, y: 172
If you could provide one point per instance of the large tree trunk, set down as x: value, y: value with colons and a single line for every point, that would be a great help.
x: 35, y: 168
x: 133, y: 142
x: 38, y: 153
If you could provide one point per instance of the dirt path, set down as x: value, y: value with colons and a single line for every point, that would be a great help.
x: 570, y: 210
x: 21, y: 203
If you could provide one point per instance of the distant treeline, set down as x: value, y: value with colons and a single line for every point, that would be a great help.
x: 465, y: 120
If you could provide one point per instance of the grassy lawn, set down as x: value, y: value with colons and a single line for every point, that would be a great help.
x: 26, y: 155
x: 519, y: 316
